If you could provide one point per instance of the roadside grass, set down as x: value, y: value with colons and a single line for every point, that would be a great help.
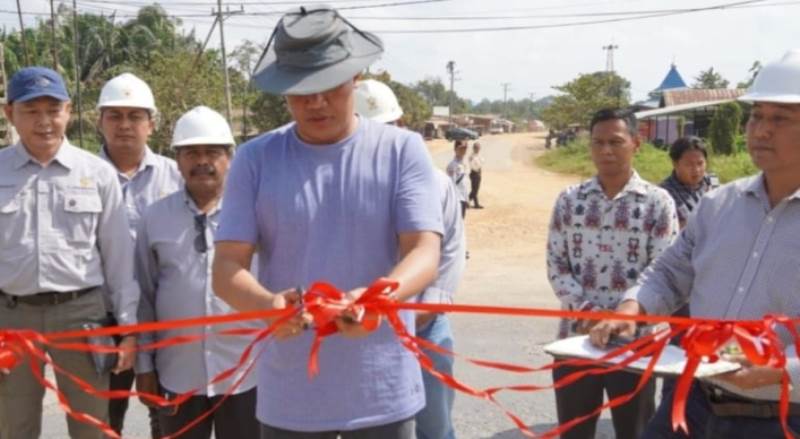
x: 653, y: 164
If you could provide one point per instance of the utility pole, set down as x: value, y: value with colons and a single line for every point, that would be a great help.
x: 610, y: 56
x: 77, y: 69
x: 220, y: 19
x: 22, y: 35
x: 451, y: 70
x: 54, y: 49
x: 505, y: 86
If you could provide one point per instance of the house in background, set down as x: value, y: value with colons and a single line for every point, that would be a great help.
x: 676, y: 110
x: 683, y: 113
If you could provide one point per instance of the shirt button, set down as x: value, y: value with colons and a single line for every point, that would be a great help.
x: 741, y: 289
x: 755, y: 255
x: 770, y: 219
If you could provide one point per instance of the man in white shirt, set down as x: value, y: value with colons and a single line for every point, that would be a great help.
x: 475, y: 174
x: 457, y: 170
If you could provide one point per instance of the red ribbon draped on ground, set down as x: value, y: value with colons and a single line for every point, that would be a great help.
x: 703, y: 339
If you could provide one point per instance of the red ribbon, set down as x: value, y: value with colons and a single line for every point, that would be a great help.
x: 325, y: 303
x: 759, y: 344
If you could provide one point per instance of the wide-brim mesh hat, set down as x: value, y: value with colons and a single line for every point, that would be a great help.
x: 313, y: 50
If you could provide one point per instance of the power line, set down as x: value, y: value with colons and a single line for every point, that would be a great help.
x: 636, y: 14
x: 623, y: 16
x: 568, y: 24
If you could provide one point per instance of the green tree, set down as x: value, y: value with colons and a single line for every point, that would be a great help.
x: 585, y: 95
x: 435, y: 93
x: 724, y: 128
x: 269, y: 112
x: 752, y: 73
x: 416, y: 109
x: 710, y: 79
x: 246, y: 56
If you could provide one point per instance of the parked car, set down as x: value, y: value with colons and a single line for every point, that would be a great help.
x: 459, y: 133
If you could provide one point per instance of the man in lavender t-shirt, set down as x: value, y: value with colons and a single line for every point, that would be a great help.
x: 329, y: 197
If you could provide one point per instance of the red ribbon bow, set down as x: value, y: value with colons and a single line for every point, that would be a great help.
x: 326, y: 303
x: 759, y: 344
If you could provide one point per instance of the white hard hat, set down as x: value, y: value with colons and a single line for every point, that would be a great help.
x: 376, y: 101
x: 126, y: 90
x: 777, y: 82
x: 201, y: 126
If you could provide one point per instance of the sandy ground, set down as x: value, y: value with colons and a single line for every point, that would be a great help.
x: 506, y: 267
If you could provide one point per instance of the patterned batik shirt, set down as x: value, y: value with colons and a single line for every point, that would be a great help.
x: 687, y: 198
x: 597, y: 247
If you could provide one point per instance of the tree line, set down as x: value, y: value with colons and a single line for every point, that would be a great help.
x: 183, y: 74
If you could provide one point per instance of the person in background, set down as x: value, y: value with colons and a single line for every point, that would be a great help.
x: 475, y: 174
x: 457, y: 170
x: 689, y: 180
x: 127, y: 119
x: 376, y: 101
x: 603, y: 233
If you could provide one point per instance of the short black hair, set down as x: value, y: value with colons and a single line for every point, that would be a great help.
x: 624, y: 115
x: 687, y: 143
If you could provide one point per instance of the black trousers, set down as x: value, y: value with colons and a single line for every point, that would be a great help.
x: 585, y: 395
x: 235, y: 418
x: 397, y: 430
x: 118, y: 407
x: 475, y: 180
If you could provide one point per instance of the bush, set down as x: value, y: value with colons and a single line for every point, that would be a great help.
x: 724, y: 128
x: 653, y: 164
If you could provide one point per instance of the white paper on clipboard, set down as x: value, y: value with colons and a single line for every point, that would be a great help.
x: 671, y: 362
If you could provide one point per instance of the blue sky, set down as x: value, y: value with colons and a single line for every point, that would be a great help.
x: 532, y: 60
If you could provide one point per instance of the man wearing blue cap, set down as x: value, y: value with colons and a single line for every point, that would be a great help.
x: 336, y: 197
x: 61, y: 217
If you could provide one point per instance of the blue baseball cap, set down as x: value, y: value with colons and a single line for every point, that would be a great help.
x: 34, y: 82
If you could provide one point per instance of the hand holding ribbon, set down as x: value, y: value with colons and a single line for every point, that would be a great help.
x: 760, y: 346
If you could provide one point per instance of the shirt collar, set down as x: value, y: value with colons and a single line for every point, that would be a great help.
x: 634, y: 185
x: 64, y: 156
x: 755, y: 187
x: 705, y: 183
x: 149, y: 159
x: 192, y: 206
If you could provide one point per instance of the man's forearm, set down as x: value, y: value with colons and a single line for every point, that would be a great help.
x: 418, y: 268
x: 238, y: 288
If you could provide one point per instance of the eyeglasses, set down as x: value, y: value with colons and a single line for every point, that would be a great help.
x: 200, y: 243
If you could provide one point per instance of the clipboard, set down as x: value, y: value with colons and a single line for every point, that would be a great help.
x: 671, y: 363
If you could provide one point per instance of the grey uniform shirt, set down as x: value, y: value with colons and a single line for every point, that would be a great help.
x: 737, y: 259
x: 175, y: 280
x: 454, y: 247
x: 63, y: 227
x: 157, y: 177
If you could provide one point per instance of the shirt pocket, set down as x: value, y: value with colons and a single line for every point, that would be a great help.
x: 81, y: 209
x: 12, y: 222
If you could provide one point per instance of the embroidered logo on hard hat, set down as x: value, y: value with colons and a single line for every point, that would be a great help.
x: 372, y: 102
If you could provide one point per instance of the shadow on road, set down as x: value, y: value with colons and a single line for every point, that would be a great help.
x: 605, y: 430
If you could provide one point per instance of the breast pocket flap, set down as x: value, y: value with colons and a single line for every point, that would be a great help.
x: 78, y: 202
